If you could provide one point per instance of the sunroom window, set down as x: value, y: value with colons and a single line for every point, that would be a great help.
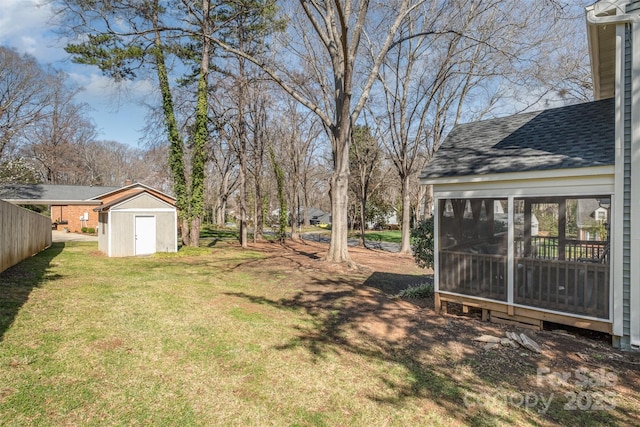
x: 558, y: 258
x: 473, y: 247
x: 562, y: 255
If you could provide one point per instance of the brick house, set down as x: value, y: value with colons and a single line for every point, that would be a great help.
x: 72, y: 206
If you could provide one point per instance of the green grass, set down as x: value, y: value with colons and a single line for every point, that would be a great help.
x: 217, y: 336
x: 423, y: 290
x: 391, y: 236
x: 209, y: 231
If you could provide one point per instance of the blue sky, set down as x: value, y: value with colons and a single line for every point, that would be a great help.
x: 26, y: 26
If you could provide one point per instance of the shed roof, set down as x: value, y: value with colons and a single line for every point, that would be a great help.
x: 107, y: 206
x: 569, y: 137
x: 135, y: 186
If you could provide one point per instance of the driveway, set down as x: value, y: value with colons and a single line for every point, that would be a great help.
x: 61, y: 236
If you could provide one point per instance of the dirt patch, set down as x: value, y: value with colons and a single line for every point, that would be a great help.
x: 310, y: 255
x: 359, y: 309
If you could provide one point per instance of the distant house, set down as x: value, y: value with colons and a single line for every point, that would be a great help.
x: 316, y: 216
x: 71, y: 206
x: 550, y: 159
x: 591, y: 219
x: 389, y: 221
x: 75, y: 208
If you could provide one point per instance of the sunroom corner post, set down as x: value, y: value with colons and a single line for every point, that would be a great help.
x: 438, y: 208
x: 527, y: 228
x: 562, y: 229
x: 510, y: 253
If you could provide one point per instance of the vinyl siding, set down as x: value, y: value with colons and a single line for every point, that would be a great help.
x: 633, y: 6
x: 626, y: 225
x: 103, y: 229
x: 122, y: 234
x: 143, y: 201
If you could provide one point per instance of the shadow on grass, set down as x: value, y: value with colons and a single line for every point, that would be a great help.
x: 17, y: 282
x: 212, y: 236
x: 364, y: 319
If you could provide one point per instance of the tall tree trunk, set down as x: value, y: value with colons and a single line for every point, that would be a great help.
x: 221, y: 218
x: 363, y: 207
x: 428, y: 202
x: 257, y: 212
x: 242, y: 141
x: 339, y: 191
x: 198, y: 155
x: 222, y: 213
x: 258, y: 149
x: 243, y: 195
x: 281, y: 231
x: 295, y: 212
x: 405, y: 245
x: 176, y: 149
x: 305, y: 198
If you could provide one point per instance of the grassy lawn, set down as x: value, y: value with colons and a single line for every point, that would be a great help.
x: 221, y: 336
x: 391, y: 236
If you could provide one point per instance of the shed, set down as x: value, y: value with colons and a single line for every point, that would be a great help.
x: 139, y: 223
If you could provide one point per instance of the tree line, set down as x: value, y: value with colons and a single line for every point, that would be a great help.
x: 340, y: 103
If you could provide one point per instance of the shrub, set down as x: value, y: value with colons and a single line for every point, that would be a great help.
x: 423, y: 290
x: 84, y: 229
x: 422, y: 243
x: 91, y: 230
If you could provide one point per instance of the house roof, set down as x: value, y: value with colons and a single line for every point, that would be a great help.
x: 314, y: 212
x: 585, y: 212
x: 51, y: 194
x: 569, y: 137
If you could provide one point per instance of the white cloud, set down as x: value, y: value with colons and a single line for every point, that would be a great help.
x: 99, y: 89
x: 117, y: 108
x: 28, y: 27
x: 25, y: 25
x: 16, y: 15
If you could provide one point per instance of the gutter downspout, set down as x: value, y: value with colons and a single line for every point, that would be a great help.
x: 634, y: 298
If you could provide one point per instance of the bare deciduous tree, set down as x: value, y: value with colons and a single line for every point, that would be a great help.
x: 365, y: 159
x: 24, y: 93
x: 55, y: 143
x: 335, y: 31
x: 461, y: 60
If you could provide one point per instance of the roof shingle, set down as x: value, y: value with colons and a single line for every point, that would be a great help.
x: 575, y: 136
x: 52, y: 192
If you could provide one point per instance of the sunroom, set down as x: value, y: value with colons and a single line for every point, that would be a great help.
x: 523, y: 216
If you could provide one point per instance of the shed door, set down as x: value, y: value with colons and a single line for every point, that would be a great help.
x: 145, y: 235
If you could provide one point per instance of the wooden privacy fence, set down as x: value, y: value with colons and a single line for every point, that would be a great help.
x: 23, y: 233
